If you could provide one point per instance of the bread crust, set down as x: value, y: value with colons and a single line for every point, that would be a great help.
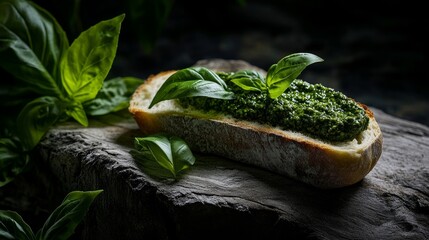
x: 320, y: 164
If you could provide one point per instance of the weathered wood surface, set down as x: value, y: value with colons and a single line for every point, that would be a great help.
x: 219, y: 197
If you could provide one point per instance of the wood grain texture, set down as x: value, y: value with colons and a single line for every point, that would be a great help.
x: 219, y: 197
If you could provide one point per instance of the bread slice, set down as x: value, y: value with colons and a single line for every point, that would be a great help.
x: 292, y: 154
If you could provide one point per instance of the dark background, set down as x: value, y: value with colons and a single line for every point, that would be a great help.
x: 373, y: 50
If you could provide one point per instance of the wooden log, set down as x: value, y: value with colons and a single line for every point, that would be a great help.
x: 219, y: 198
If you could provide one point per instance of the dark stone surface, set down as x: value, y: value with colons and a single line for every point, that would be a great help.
x: 217, y: 197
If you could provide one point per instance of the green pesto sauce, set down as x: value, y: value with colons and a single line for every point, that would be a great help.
x: 311, y: 109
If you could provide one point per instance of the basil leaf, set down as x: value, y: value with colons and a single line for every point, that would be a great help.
x: 36, y: 118
x: 150, y: 166
x: 76, y: 110
x: 89, y: 59
x: 182, y: 154
x: 192, y: 82
x: 156, y: 148
x: 31, y: 45
x: 12, y: 227
x: 210, y: 76
x: 248, y: 80
x: 12, y: 160
x: 113, y: 96
x: 169, y: 152
x: 280, y: 75
x: 64, y: 219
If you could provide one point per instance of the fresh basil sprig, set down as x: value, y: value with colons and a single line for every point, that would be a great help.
x: 34, y: 49
x: 279, y: 75
x: 163, y: 155
x: 202, y: 82
x: 60, y: 224
x: 87, y: 63
x: 193, y: 82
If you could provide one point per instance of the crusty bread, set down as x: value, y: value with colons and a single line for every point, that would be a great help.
x: 318, y: 163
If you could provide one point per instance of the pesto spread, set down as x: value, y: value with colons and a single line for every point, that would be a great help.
x: 312, y: 109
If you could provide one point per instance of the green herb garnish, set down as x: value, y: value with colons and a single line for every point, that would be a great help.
x: 279, y: 75
x: 192, y: 82
x: 163, y: 155
x: 60, y: 224
x: 201, y: 82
